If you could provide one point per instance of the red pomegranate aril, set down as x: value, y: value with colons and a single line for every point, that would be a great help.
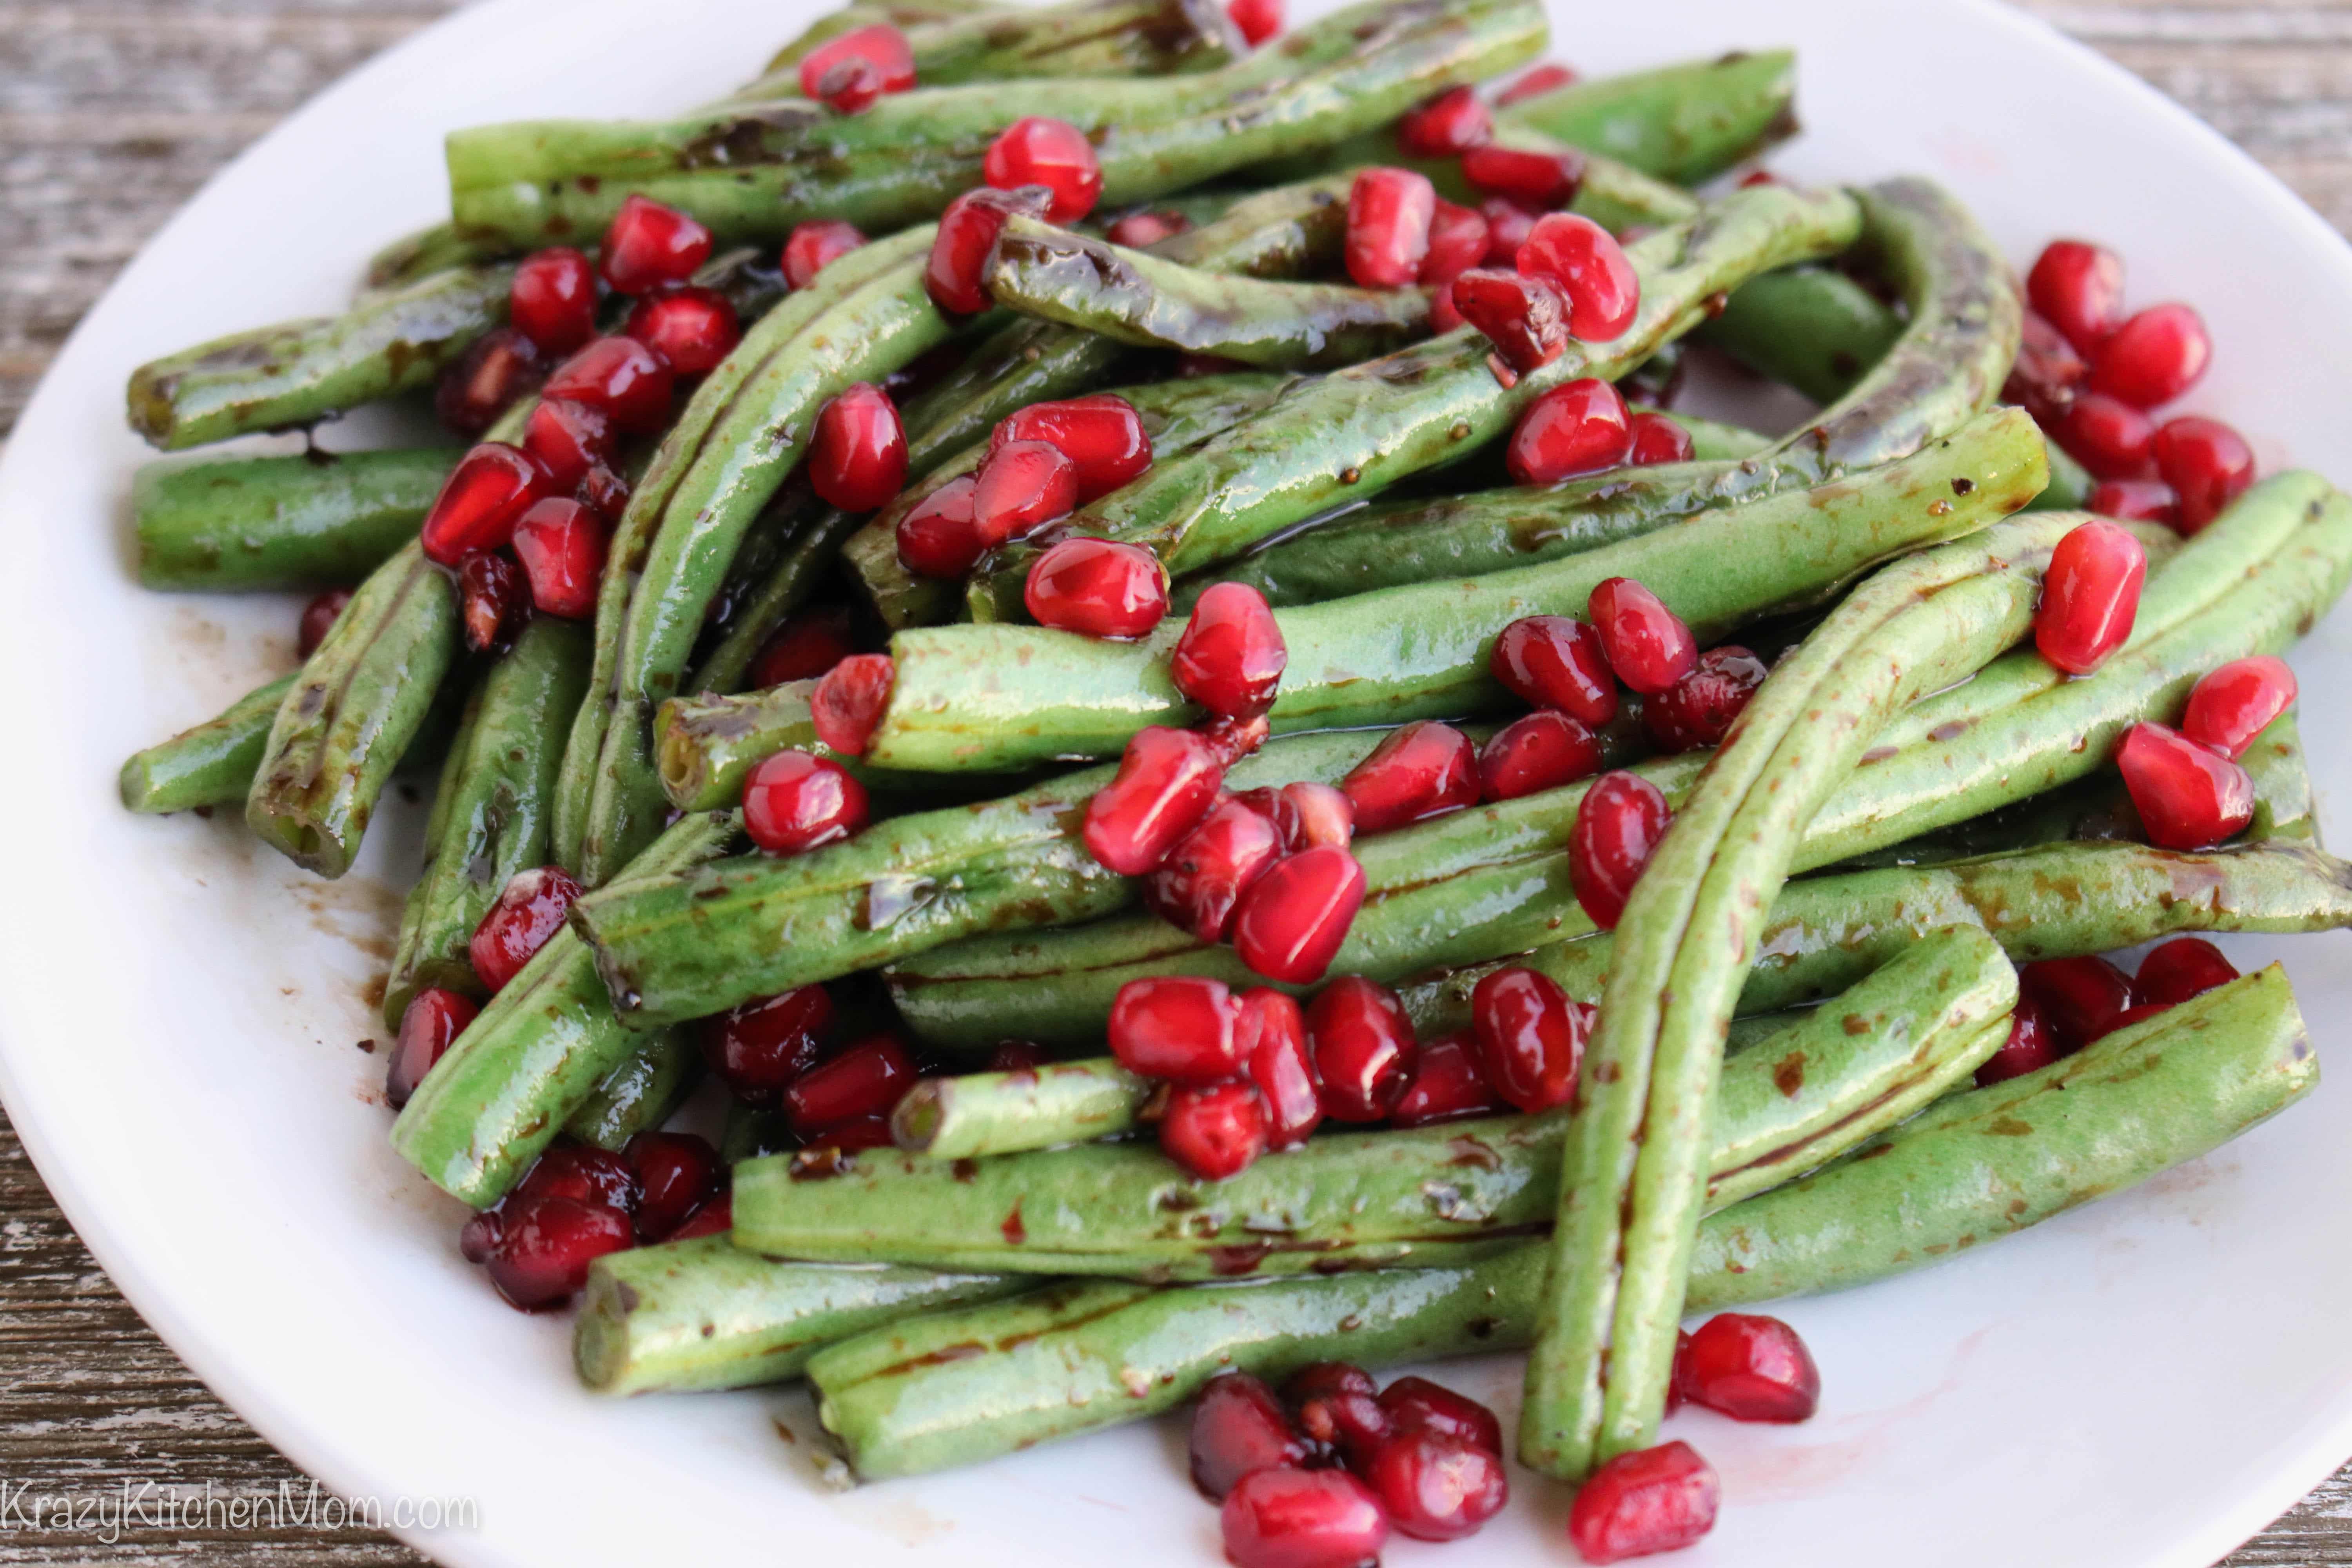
x: 848, y: 704
x: 1270, y: 1032
x: 1444, y: 1083
x: 479, y: 1236
x: 528, y: 910
x: 2108, y: 436
x: 1653, y: 1499
x: 1055, y: 153
x: 1454, y: 121
x: 1230, y: 657
x: 553, y: 301
x: 759, y: 1048
x: 1531, y: 1034
x: 2188, y: 798
x: 1437, y: 1488
x: 1507, y: 226
x: 866, y: 1079
x: 2235, y: 703
x: 1240, y: 1427
x: 797, y: 801
x: 2079, y: 288
x: 2047, y: 373
x: 2153, y: 358
x: 433, y: 1018
x: 1177, y: 1027
x: 561, y: 546
x: 2079, y: 998
x: 1233, y: 738
x: 858, y: 455
x: 544, y: 1249
x: 1098, y: 588
x: 1313, y: 816
x: 1201, y: 883
x: 318, y: 617
x: 1213, y: 1130
x: 1322, y: 1379
x: 1457, y: 242
x: 1302, y: 1519
x: 1421, y: 771
x: 849, y: 73
x: 1749, y: 1368
x: 1417, y: 1405
x: 484, y: 382
x: 1362, y: 1045
x: 1584, y: 261
x: 813, y: 245
x: 1256, y: 20
x: 2206, y: 464
x: 1542, y: 751
x: 2090, y: 596
x: 1141, y: 231
x: 620, y: 378
x: 567, y: 439
x: 1389, y: 214
x: 1020, y: 487
x: 605, y: 491
x: 1525, y: 318
x: 715, y: 1217
x: 967, y: 233
x: 1697, y: 711
x: 583, y: 1174
x: 2136, y: 501
x: 1293, y: 919
x: 493, y: 599
x: 1617, y: 829
x: 677, y: 1172
x: 693, y: 328
x: 1551, y: 661
x: 2032, y: 1045
x: 1539, y: 180
x: 803, y: 647
x: 1658, y: 439
x: 1549, y: 76
x: 650, y: 245
x: 1102, y: 436
x: 1580, y: 428
x: 937, y: 536
x: 1646, y: 643
x: 1167, y: 780
x: 480, y: 502
x: 2184, y: 967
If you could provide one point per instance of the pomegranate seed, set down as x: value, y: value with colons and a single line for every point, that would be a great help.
x: 1539, y: 180
x: 2090, y: 596
x: 2079, y: 287
x: 605, y: 491
x: 1655, y: 1499
x: 1017, y: 1056
x: 1258, y: 20
x: 1197, y: 888
x: 1102, y: 436
x: 1421, y: 771
x: 1231, y: 658
x: 797, y: 801
x: 1293, y: 919
x: 2206, y: 464
x: 544, y: 1249
x: 2188, y: 798
x: 1177, y: 1027
x: 858, y: 455
x: 967, y: 233
x: 1417, y: 1405
x: 715, y: 1217
x: 2237, y: 702
x: 1346, y: 1425
x: 2079, y: 998
x: 1542, y: 751
x: 813, y: 245
x: 936, y: 536
x: 1457, y: 242
x: 1646, y: 644
x: 1362, y: 1044
x: 480, y: 502
x: 1321, y: 1379
x: 553, y: 301
x: 2184, y: 967
x: 1141, y: 231
x: 2032, y: 1045
x: 620, y: 378
x: 484, y: 382
x: 318, y: 617
x: 2047, y: 373
x: 2136, y: 501
x: 848, y: 704
x: 1618, y: 826
x: 1751, y: 1369
x: 1270, y: 1032
x: 1454, y: 121
x: 1531, y: 1035
x: 1444, y: 1083
x: 866, y: 1079
x: 1658, y: 439
x: 1549, y: 77
x: 1098, y: 588
x: 1233, y: 739
x: 2110, y: 438
x: 805, y: 647
x: 1239, y: 1428
x: 1302, y: 1519
x: 1507, y: 226
x: 1389, y: 214
x: 1055, y: 153
x: 693, y: 328
x: 759, y: 1048
x: 567, y: 439
x: 650, y: 245
x: 1525, y: 318
x: 1552, y: 661
x: 1578, y: 427
x: 849, y: 73
x: 528, y: 910
x: 1020, y: 487
x: 583, y: 1174
x: 1754, y: 178
x: 1586, y: 264
x: 677, y: 1172
x: 1213, y: 1130
x: 1437, y: 1488
x: 1697, y: 710
x: 493, y: 600
x: 2153, y: 357
x: 1312, y: 815
x: 433, y: 1018
x: 479, y: 1236
x: 1167, y: 781
x: 561, y: 546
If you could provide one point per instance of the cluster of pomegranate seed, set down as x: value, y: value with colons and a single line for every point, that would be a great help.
x: 1037, y: 167
x: 1583, y: 426
x: 578, y: 1202
x: 2093, y: 378
x: 779, y: 1053
x: 530, y: 909
x: 2187, y: 784
x: 2065, y: 1004
x: 848, y: 74
x: 1317, y: 1475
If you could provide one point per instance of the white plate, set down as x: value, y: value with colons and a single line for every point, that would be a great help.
x: 2145, y: 1382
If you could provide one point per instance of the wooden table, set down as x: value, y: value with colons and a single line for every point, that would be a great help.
x: 113, y: 111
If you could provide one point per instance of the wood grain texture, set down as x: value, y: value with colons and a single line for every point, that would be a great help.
x: 112, y: 112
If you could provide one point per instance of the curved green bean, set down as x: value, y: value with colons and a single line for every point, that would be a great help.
x: 209, y: 765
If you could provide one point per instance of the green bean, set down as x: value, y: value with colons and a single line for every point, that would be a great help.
x: 212, y: 764
x: 426, y: 253
x: 972, y: 1114
x: 640, y: 1093
x: 323, y: 519
x: 960, y: 1386
x: 1810, y: 326
x: 299, y: 373
x: 1428, y: 1197
x: 1687, y: 123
